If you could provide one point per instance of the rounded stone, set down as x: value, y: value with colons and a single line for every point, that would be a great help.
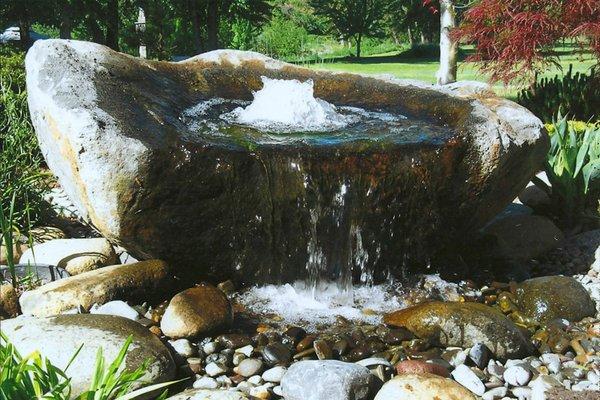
x: 463, y: 325
x: 550, y: 297
x: 58, y: 338
x: 9, y: 301
x: 196, y: 311
x: 274, y: 374
x: 517, y: 375
x: 419, y: 367
x: 423, y: 387
x: 276, y: 353
x: 249, y: 367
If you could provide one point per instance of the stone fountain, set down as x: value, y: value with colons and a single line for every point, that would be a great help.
x: 130, y: 146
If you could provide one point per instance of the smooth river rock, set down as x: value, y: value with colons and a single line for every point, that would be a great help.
x: 463, y: 325
x: 74, y: 255
x: 423, y: 387
x: 110, y: 127
x: 9, y: 301
x: 328, y: 379
x: 59, y: 337
x: 195, y: 311
x: 122, y: 282
x: 549, y: 297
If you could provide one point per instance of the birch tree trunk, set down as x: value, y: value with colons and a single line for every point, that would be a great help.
x: 448, y: 48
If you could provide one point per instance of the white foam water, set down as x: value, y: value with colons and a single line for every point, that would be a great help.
x: 286, y: 105
x: 303, y: 304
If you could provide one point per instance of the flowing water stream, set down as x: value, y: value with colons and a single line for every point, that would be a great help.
x: 285, y: 112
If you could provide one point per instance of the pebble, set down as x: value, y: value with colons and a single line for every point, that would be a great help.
x: 261, y: 392
x: 274, y: 374
x: 480, y: 354
x: 322, y: 350
x: 495, y: 393
x: 517, y: 376
x: 183, y: 347
x: 215, y: 369
x: 276, y: 353
x: 195, y: 364
x: 206, y: 382
x: 552, y: 361
x: 278, y: 391
x: 256, y: 380
x: 238, y: 358
x: 245, y: 350
x: 419, y: 367
x: 210, y: 347
x: 249, y: 367
x: 522, y: 392
x: 495, y: 369
x: 463, y: 375
x: 224, y: 380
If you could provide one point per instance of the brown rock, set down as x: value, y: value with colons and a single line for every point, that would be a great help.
x: 420, y: 367
x: 123, y: 282
x: 196, y: 311
x: 9, y: 301
x: 463, y: 325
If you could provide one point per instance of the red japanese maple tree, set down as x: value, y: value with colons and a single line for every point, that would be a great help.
x: 514, y: 38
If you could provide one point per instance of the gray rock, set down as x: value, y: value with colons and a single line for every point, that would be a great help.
x: 480, y: 354
x: 109, y: 127
x: 552, y: 361
x: 58, y: 338
x: 74, y: 255
x: 327, y: 379
x: 124, y: 282
x: 215, y: 369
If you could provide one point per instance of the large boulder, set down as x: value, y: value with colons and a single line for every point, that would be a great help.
x: 58, y: 339
x: 463, y: 325
x: 111, y: 128
x: 135, y: 281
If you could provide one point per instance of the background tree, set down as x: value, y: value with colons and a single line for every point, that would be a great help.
x: 353, y: 19
x: 448, y: 45
x: 514, y: 38
x: 24, y: 13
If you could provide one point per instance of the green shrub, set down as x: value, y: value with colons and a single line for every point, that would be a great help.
x: 283, y: 39
x: 573, y: 169
x: 20, y: 157
x: 578, y: 94
x: 32, y: 377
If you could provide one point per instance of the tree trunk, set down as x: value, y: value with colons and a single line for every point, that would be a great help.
x: 112, y: 24
x: 24, y: 36
x: 212, y: 25
x: 196, y: 21
x: 65, y: 23
x: 411, y: 38
x: 358, y: 41
x: 448, y: 47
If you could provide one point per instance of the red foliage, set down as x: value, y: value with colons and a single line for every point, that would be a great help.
x: 514, y: 38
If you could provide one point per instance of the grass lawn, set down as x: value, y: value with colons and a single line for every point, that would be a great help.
x: 424, y: 68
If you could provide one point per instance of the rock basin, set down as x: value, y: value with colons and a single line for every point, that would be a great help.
x: 111, y: 128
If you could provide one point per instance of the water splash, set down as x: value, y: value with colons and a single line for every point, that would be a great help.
x: 286, y: 105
